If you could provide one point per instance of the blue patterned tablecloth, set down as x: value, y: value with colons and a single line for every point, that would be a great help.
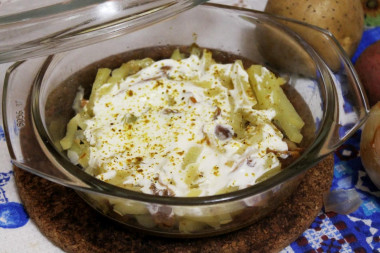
x: 357, y: 232
x: 330, y: 232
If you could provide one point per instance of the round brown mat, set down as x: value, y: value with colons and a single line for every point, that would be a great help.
x: 72, y: 225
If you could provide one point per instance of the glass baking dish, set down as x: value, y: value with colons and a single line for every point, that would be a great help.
x: 38, y: 94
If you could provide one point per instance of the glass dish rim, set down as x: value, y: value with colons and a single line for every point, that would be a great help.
x: 293, y: 170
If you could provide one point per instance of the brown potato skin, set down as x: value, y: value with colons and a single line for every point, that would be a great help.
x: 370, y: 145
x: 368, y: 68
x: 343, y: 18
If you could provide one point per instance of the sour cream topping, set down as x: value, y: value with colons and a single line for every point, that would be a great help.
x: 182, y: 128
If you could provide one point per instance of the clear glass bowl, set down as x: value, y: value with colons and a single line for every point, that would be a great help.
x: 38, y: 95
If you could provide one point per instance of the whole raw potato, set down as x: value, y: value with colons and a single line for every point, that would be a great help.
x: 343, y: 18
x: 368, y: 68
x: 370, y: 145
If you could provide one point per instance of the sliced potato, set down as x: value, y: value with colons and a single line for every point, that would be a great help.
x: 191, y: 156
x: 267, y: 88
x: 72, y: 126
x: 124, y: 207
x: 189, y: 226
x: 177, y: 55
x: 129, y: 68
x: 207, y: 59
x: 101, y: 78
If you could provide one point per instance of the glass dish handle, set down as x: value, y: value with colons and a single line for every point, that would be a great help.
x: 351, y: 104
x: 349, y: 101
x: 22, y: 144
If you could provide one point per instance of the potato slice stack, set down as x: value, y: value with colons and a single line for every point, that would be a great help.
x: 269, y: 94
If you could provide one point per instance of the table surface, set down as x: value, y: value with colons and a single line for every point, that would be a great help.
x: 358, y: 231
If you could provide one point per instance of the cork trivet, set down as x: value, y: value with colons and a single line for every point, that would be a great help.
x: 72, y: 225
